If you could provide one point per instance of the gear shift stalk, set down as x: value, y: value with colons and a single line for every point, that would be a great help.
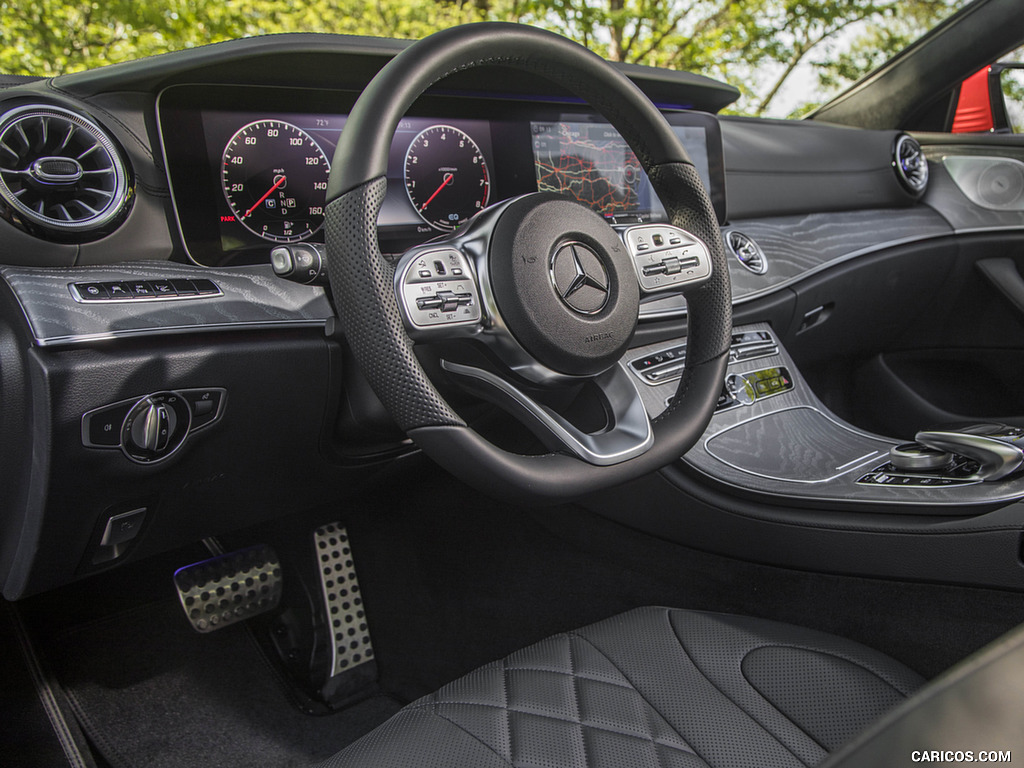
x: 997, y: 448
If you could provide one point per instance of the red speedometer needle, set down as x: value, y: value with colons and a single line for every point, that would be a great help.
x: 444, y: 183
x: 280, y: 180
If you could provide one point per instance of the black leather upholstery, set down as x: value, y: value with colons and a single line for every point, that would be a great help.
x: 653, y: 687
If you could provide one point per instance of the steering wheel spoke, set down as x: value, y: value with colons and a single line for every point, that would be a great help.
x: 667, y: 258
x: 626, y: 435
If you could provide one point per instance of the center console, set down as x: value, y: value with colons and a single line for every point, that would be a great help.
x: 771, y: 436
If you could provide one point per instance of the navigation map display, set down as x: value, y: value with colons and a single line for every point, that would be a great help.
x: 593, y: 164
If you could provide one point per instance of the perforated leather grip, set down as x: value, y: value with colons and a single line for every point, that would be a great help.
x: 364, y: 296
x: 709, y: 306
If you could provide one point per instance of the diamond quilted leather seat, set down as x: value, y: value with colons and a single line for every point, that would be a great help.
x: 651, y: 687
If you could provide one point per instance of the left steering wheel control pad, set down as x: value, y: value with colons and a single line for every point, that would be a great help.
x: 564, y: 284
x: 436, y: 288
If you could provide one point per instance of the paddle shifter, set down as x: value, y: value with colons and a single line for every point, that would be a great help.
x: 998, y: 449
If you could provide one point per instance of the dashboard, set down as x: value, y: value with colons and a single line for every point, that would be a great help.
x: 249, y: 166
x: 837, y: 265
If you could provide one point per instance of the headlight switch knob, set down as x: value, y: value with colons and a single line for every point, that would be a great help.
x: 155, y: 427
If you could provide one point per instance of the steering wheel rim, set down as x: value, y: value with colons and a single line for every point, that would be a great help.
x: 362, y: 281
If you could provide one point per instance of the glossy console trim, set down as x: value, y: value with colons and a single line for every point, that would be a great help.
x: 801, y: 247
x: 250, y: 298
x: 171, y: 330
x: 839, y: 492
x: 839, y: 470
x: 990, y: 230
x: 867, y: 251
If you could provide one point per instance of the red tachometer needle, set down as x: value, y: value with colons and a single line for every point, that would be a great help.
x: 280, y: 180
x: 444, y: 183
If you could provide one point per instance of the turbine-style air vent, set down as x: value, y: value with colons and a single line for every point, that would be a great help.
x: 747, y: 252
x: 910, y: 164
x: 61, y: 176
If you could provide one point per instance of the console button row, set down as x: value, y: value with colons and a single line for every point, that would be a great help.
x: 136, y: 290
x: 750, y: 345
x: 667, y: 364
x: 748, y: 388
x: 661, y: 366
x: 962, y: 472
x: 910, y: 481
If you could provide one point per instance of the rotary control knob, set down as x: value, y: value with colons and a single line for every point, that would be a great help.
x: 155, y: 427
x: 914, y: 457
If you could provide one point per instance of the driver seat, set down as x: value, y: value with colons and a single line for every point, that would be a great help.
x: 655, y: 687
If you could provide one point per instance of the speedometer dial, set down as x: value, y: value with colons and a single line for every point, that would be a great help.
x: 446, y: 176
x: 275, y: 180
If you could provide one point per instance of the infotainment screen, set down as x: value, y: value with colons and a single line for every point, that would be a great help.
x: 592, y: 163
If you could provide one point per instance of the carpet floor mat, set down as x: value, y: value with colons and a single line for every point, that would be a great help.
x: 149, y: 691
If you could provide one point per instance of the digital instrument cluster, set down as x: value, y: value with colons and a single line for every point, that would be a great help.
x: 274, y: 176
x: 249, y: 166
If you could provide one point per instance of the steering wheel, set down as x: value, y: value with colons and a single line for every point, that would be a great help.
x: 542, y: 285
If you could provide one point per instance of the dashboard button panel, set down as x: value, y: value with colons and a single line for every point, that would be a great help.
x: 667, y: 364
x: 143, y: 290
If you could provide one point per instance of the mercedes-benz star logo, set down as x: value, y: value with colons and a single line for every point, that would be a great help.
x: 580, y: 278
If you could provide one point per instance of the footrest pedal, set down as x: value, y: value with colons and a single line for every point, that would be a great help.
x: 230, y: 588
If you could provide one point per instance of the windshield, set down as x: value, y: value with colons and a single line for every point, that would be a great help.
x: 785, y: 56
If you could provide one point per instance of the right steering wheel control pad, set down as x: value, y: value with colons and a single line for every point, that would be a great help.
x: 667, y: 258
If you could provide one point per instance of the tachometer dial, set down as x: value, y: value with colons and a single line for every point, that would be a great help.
x: 275, y: 180
x: 446, y: 176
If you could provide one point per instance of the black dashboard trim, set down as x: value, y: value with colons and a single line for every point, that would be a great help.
x: 311, y: 53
